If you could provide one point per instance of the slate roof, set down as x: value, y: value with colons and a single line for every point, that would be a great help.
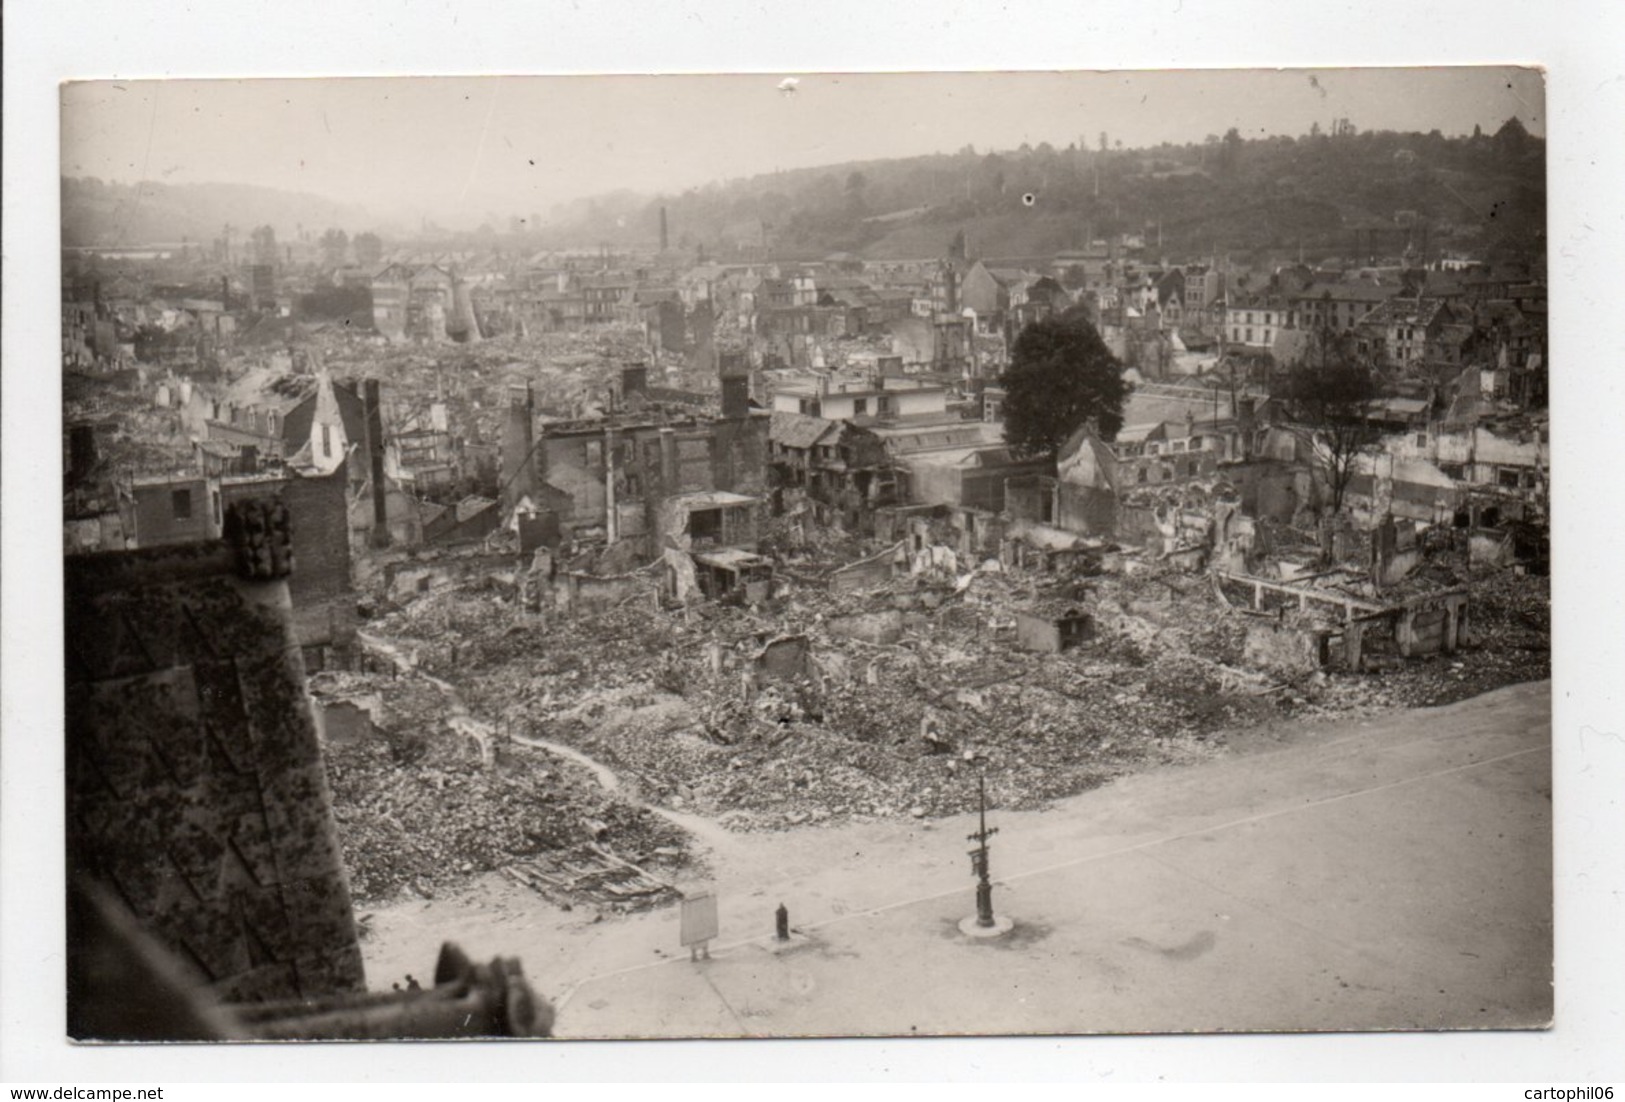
x: 798, y: 430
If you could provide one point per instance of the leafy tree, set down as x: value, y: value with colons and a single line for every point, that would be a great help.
x: 1333, y: 399
x: 1061, y: 375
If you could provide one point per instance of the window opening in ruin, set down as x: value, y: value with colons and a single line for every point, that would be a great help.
x: 181, y: 502
x: 705, y: 525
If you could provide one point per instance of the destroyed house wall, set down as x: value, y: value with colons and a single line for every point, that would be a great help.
x: 587, y: 594
x: 402, y: 522
x: 1089, y: 510
x: 196, y: 791
x: 652, y: 462
x: 410, y: 576
x: 1153, y: 470
x: 1030, y: 499
x: 181, y: 510
x: 1285, y: 649
x: 869, y: 573
x: 1372, y: 497
x: 932, y: 484
x: 977, y: 531
x: 448, y: 528
x: 1271, y: 490
x: 982, y: 487
x: 1051, y: 634
x: 787, y: 658
x: 268, y: 444
x: 695, y: 523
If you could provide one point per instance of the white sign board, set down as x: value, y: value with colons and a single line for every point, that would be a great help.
x: 699, y: 919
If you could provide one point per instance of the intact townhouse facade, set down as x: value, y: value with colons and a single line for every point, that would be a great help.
x: 1256, y: 323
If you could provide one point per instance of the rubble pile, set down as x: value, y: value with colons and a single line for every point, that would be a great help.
x: 132, y: 436
x: 418, y: 808
x: 1510, y: 632
x: 684, y: 706
x: 674, y: 701
x: 1507, y: 640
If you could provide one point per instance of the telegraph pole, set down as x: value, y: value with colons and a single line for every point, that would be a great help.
x: 978, y: 859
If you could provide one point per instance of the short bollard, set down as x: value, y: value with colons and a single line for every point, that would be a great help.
x: 781, y: 921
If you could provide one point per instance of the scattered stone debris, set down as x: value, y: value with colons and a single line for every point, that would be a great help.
x: 419, y: 811
x: 707, y: 709
x: 590, y: 873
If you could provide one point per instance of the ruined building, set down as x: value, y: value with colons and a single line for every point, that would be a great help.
x: 608, y: 478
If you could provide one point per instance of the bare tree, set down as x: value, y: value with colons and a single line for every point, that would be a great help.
x: 1333, y: 399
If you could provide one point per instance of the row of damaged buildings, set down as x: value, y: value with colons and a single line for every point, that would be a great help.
x: 1210, y: 482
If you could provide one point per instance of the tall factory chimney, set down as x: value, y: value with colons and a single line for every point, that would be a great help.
x: 664, y: 241
x: 373, y: 419
x: 734, y: 372
x: 518, y: 446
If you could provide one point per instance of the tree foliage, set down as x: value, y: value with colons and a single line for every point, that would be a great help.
x: 1332, y: 395
x: 1061, y: 374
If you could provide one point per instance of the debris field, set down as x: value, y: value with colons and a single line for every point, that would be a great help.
x: 783, y: 714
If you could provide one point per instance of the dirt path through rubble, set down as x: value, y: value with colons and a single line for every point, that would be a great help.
x: 465, y: 722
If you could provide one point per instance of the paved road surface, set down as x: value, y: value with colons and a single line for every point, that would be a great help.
x: 1393, y: 873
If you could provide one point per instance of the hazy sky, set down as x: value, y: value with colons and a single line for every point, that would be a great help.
x: 458, y: 147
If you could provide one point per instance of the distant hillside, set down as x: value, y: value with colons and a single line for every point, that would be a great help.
x: 99, y: 213
x: 1329, y: 195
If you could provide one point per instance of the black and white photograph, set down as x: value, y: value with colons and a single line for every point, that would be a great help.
x: 809, y: 555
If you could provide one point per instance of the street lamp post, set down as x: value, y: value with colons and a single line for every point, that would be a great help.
x: 978, y: 859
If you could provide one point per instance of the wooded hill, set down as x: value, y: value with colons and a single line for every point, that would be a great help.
x: 1343, y: 195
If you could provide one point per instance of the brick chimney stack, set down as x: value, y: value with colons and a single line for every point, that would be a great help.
x: 734, y: 375
x: 373, y: 420
x: 518, y: 447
